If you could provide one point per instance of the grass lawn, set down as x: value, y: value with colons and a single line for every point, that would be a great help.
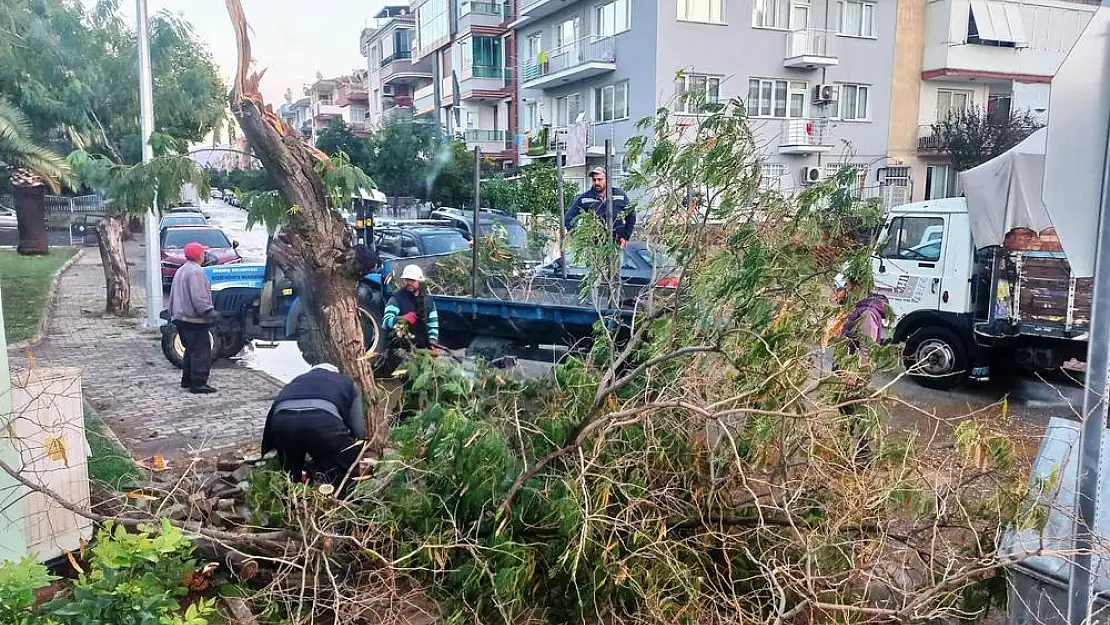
x: 24, y: 282
x: 109, y: 463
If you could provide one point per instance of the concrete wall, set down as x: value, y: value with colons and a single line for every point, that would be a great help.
x: 905, y: 89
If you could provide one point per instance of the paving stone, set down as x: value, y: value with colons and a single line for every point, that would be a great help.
x: 132, y: 386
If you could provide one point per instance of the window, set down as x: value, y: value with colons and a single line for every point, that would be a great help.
x: 832, y: 169
x: 696, y: 90
x: 402, y: 43
x: 996, y: 24
x: 914, y: 238
x: 771, y: 175
x: 611, y: 102
x: 854, y: 103
x: 952, y: 102
x: 612, y: 18
x: 531, y: 117
x: 566, y: 34
x: 782, y: 14
x: 533, y: 47
x: 482, y: 56
x: 777, y: 98
x: 700, y: 10
x: 857, y: 18
x: 941, y: 181
x: 567, y: 109
x: 432, y: 24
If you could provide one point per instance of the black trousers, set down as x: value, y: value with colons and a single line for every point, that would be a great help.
x: 197, y: 363
x: 318, y: 434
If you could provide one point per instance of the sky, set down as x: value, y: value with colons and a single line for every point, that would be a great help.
x: 291, y: 39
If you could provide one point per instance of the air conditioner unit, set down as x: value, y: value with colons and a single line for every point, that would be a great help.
x: 824, y: 94
x: 811, y: 175
x: 387, y: 90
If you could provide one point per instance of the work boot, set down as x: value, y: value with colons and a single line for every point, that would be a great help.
x: 202, y: 390
x: 185, y: 383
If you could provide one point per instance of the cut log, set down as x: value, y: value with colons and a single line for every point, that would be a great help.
x: 314, y: 248
x: 30, y: 212
x: 117, y: 285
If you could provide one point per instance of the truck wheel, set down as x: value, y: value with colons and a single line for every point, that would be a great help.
x: 935, y: 358
x: 232, y: 350
x: 174, y: 350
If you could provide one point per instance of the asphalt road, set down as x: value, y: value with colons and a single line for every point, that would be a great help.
x: 9, y: 237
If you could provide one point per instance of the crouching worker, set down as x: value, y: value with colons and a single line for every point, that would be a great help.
x: 318, y: 413
x: 412, y: 305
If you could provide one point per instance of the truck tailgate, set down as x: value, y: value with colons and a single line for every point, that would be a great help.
x: 1047, y: 299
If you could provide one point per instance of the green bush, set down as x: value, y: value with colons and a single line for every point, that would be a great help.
x: 18, y: 583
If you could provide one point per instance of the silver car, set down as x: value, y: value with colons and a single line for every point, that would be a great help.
x: 7, y: 217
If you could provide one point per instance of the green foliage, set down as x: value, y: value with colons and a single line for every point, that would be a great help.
x: 450, y: 174
x: 72, y: 69
x: 18, y: 583
x: 109, y: 462
x: 134, y: 188
x: 399, y: 155
x: 337, y: 138
x: 501, y: 193
x: 136, y: 578
x: 973, y: 136
x: 19, y: 150
x: 342, y: 180
x: 538, y: 189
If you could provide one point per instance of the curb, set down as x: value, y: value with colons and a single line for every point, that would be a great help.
x: 51, y: 295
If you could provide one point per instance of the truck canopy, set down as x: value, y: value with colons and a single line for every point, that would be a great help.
x: 1006, y: 193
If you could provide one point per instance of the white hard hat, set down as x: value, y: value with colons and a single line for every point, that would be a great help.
x: 413, y: 272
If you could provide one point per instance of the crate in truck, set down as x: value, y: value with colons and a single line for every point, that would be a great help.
x: 1047, y: 298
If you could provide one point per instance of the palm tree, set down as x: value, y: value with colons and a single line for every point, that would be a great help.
x: 31, y: 169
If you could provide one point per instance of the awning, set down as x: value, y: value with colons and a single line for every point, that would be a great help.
x: 998, y: 21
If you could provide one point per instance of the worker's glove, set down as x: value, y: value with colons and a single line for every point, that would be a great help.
x: 410, y: 318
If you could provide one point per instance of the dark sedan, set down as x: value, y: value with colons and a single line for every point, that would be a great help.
x: 639, y: 265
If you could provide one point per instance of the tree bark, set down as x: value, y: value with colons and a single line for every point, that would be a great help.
x: 30, y: 212
x: 117, y: 285
x: 314, y: 248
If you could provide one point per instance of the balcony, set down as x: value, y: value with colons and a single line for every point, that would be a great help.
x: 532, y: 10
x: 423, y: 100
x: 805, y: 136
x: 326, y: 110
x: 399, y: 69
x: 488, y: 14
x: 548, y: 139
x: 928, y: 142
x: 491, y: 141
x: 810, y: 48
x: 585, y: 58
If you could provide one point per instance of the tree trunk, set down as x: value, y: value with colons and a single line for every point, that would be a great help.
x: 313, y: 249
x: 134, y: 226
x: 30, y: 211
x: 117, y: 285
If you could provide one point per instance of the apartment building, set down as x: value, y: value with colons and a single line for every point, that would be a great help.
x: 815, y: 75
x: 343, y: 97
x: 297, y: 113
x: 997, y: 55
x: 393, y: 76
x: 472, y: 94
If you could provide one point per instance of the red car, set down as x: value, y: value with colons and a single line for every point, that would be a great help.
x: 219, y: 250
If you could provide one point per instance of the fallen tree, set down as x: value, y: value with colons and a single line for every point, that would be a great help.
x: 313, y: 245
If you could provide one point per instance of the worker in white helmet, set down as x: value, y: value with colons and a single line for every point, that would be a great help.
x: 412, y: 305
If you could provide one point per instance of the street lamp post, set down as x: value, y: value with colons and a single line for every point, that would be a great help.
x: 146, y: 110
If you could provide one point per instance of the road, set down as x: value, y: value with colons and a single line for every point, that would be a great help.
x: 1033, y: 401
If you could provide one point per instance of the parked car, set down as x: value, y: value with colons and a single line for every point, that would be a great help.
x: 7, y: 217
x: 182, y: 219
x: 83, y: 229
x: 401, y: 239
x: 489, y: 221
x: 220, y: 249
x: 186, y: 210
x: 640, y: 263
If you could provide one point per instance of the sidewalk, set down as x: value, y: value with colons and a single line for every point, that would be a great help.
x: 134, y: 389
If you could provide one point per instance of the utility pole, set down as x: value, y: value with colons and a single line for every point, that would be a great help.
x: 146, y: 109
x: 476, y: 232
x: 561, y: 199
x: 1080, y: 592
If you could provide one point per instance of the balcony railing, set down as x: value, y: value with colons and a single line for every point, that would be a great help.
x: 810, y: 48
x: 400, y: 55
x: 593, y: 49
x: 804, y: 136
x: 484, y: 136
x: 929, y: 141
x: 495, y: 9
x: 487, y: 71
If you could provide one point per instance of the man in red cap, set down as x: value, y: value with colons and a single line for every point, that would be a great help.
x: 192, y: 312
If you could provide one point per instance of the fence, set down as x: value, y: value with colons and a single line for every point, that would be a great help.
x: 61, y: 210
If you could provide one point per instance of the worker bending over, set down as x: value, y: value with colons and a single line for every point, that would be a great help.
x: 412, y: 305
x: 318, y: 413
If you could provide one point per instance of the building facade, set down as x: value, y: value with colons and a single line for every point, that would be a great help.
x: 996, y: 55
x: 393, y: 76
x: 815, y: 74
x: 472, y: 92
x: 343, y: 97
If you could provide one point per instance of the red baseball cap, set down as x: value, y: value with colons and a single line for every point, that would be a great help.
x: 194, y: 251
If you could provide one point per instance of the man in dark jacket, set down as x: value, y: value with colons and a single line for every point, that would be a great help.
x: 191, y: 311
x: 593, y: 200
x: 318, y: 413
x: 412, y: 304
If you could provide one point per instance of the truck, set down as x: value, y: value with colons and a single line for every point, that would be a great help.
x: 983, y: 284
